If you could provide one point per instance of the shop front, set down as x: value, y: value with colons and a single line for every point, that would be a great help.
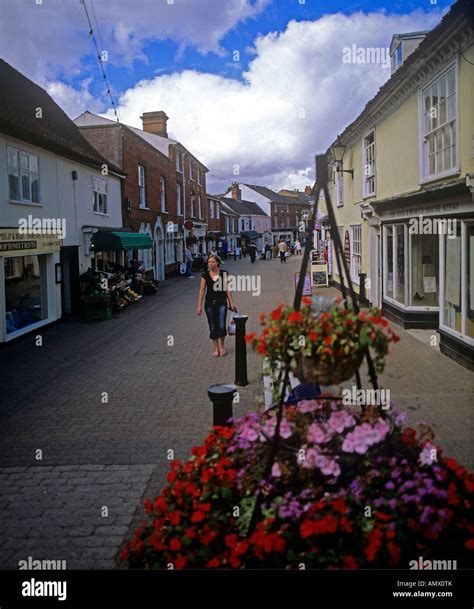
x: 114, y: 282
x: 427, y: 268
x: 30, y: 282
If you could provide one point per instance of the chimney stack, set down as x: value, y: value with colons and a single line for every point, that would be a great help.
x: 155, y: 122
x: 236, y: 192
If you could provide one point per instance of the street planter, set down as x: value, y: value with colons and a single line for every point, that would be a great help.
x: 347, y: 487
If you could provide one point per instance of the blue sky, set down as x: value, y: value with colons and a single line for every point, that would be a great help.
x: 165, y: 56
x: 260, y: 119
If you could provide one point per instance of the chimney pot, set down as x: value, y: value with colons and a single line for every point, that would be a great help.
x: 155, y: 122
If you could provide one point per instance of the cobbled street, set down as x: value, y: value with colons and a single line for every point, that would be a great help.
x: 100, y: 460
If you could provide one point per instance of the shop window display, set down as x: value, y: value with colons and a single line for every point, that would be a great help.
x: 25, y: 295
x: 424, y: 270
x: 452, y: 282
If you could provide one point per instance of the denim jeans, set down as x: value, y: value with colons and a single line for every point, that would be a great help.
x: 189, y: 266
x: 216, y: 316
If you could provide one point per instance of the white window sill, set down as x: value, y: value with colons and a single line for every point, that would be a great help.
x: 144, y: 207
x: 456, y: 334
x: 100, y: 213
x: 14, y: 202
x: 340, y: 204
x: 440, y: 176
x: 368, y: 196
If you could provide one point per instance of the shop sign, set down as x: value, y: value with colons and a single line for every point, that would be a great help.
x: 13, y: 243
x: 319, y: 274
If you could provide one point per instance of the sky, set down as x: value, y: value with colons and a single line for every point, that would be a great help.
x: 253, y: 88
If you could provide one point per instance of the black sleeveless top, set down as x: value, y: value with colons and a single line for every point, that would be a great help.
x: 216, y: 292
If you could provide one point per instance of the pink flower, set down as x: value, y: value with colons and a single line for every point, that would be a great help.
x: 339, y: 420
x: 428, y: 454
x: 364, y: 436
x: 276, y: 471
x: 317, y: 434
x: 309, y: 405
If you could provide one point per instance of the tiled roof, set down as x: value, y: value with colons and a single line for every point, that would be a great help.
x: 20, y: 99
x: 277, y: 198
x: 244, y: 207
x: 162, y: 144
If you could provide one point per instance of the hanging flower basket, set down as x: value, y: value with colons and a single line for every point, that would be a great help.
x: 308, y: 370
x: 325, y: 347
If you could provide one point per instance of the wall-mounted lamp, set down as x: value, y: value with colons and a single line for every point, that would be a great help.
x: 338, y: 149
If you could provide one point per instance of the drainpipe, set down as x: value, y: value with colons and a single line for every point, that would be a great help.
x: 184, y: 210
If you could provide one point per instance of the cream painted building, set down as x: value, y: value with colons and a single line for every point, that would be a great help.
x: 406, y: 213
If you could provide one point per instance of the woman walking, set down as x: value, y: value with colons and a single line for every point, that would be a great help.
x: 214, y: 284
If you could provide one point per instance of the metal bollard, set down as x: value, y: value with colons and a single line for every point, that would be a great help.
x: 240, y: 350
x: 221, y: 397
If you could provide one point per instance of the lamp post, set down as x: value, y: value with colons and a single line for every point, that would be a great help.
x: 338, y: 149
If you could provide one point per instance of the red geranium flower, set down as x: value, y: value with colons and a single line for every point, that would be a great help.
x: 307, y: 300
x: 175, y: 545
x: 313, y: 335
x: 180, y: 562
x: 198, y: 516
x: 249, y: 337
x: 295, y: 316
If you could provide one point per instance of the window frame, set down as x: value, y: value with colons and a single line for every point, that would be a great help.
x: 142, y: 187
x: 366, y: 194
x: 163, y: 191
x: 99, y: 180
x: 424, y: 177
x: 179, y: 199
x: 354, y: 254
x: 179, y: 161
x: 339, y: 189
x: 21, y: 173
x: 211, y: 209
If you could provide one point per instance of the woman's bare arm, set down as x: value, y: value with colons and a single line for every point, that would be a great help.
x: 202, y: 288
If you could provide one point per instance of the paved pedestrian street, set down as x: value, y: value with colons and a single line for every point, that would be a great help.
x: 88, y: 420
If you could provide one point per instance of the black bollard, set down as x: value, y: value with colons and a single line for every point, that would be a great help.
x: 240, y: 350
x: 221, y: 397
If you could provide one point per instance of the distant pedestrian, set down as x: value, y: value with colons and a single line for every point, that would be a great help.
x: 268, y: 251
x: 188, y: 257
x: 252, y: 251
x: 283, y: 249
x: 297, y: 247
x: 275, y: 250
x: 214, y: 285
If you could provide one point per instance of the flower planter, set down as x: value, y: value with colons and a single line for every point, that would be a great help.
x: 308, y: 372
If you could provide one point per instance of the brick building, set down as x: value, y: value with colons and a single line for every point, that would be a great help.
x: 165, y: 186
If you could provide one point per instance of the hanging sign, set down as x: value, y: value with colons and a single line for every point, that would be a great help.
x: 182, y: 268
x: 188, y: 224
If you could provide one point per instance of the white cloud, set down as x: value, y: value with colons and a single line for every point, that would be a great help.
x: 297, y: 95
x: 48, y: 40
x: 74, y: 101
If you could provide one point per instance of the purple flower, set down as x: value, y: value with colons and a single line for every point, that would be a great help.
x: 390, y: 486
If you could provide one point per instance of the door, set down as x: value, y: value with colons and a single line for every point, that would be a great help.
x: 70, y: 289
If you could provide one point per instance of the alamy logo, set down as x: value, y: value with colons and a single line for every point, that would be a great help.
x: 42, y: 226
x: 240, y: 283
x: 433, y: 226
x: 362, y: 55
x: 366, y: 397
x: 435, y: 565
x: 42, y: 565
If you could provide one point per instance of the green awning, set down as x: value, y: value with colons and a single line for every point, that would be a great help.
x: 250, y: 234
x: 109, y: 241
